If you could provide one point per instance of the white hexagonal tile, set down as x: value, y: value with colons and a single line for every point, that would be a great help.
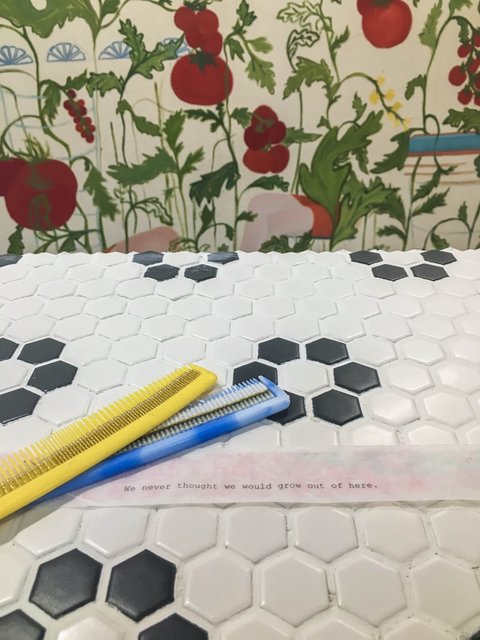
x: 87, y: 350
x: 294, y: 289
x: 375, y: 288
x: 325, y: 532
x: 470, y: 324
x: 402, y: 258
x: 254, y: 289
x: 230, y: 350
x: 367, y: 434
x: 22, y: 308
x: 333, y: 627
x: 97, y: 288
x: 54, y: 289
x: 112, y: 531
x: 446, y: 591
x: 374, y: 351
x: 214, y: 288
x: 459, y: 377
x: 4, y: 324
x: 236, y: 272
x: 229, y: 586
x: 274, y: 308
x: 334, y: 289
x: 255, y: 532
x: 293, y: 589
x: 148, y: 307
x: 359, y: 307
x: 232, y: 307
x: 308, y: 434
x: 415, y: 287
x: 32, y: 328
x: 432, y: 326
x: 252, y: 626
x: 75, y: 328
x: 310, y: 272
x: 422, y: 351
x: 464, y: 269
x: 72, y: 259
x: 17, y: 290
x: 85, y: 272
x: 144, y: 373
x: 13, y: 272
x: 298, y: 328
x: 44, y: 530
x: 192, y: 308
x: 37, y: 259
x: 317, y: 307
x: 13, y: 373
x: 457, y: 530
x: 92, y: 626
x: 175, y: 526
x: 125, y: 271
x: 138, y: 288
x: 417, y: 629
x: 254, y: 258
x: 274, y: 272
x: 351, y: 271
x: 444, y: 305
x: 403, y: 306
x: 389, y: 327
x: 209, y: 329
x: 119, y: 327
x: 466, y: 349
x: 384, y: 597
x: 342, y: 328
x: 26, y: 431
x: 14, y: 566
x: 456, y: 287
x: 180, y: 258
x: 328, y: 259
x: 135, y: 349
x: 105, y: 398
x: 254, y: 328
x: 408, y: 377
x: 63, y: 405
x: 100, y: 376
x: 427, y: 434
x: 184, y: 350
x: 260, y: 437
x: 175, y: 288
x: 447, y: 408
x: 164, y: 327
x: 64, y: 307
x: 105, y: 307
x: 392, y: 408
x: 396, y: 533
x: 303, y: 376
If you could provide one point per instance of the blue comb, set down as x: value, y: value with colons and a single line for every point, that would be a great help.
x: 206, y: 419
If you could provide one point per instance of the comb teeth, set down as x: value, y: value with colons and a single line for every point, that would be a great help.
x: 21, y: 467
x: 241, y: 396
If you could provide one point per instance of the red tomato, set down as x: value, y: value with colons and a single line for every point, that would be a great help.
x: 201, y: 79
x: 278, y: 132
x: 194, y: 38
x: 322, y: 226
x: 258, y: 161
x: 43, y: 195
x: 280, y: 156
x: 386, y: 24
x: 363, y: 6
x: 264, y: 116
x: 213, y: 44
x: 465, y: 96
x: 8, y: 172
x: 256, y: 139
x: 207, y: 22
x: 185, y: 18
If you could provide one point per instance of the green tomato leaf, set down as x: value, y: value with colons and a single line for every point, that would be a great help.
x: 394, y: 208
x: 270, y: 183
x: 390, y: 230
x: 242, y: 115
x: 77, y: 82
x: 308, y: 71
x: 261, y: 72
x: 358, y: 106
x: 303, y: 38
x: 477, y: 165
x: 299, y: 136
x: 246, y: 216
x: 191, y: 162
x: 426, y: 189
x: 211, y: 184
x: 235, y: 48
x: 52, y: 96
x: 340, y: 40
x: 141, y: 123
x: 434, y: 202
x: 466, y: 120
x: 429, y: 35
x: 108, y: 7
x: 95, y: 186
x: 145, y: 62
x: 295, y: 12
x: 397, y: 158
x: 173, y: 129
x: 22, y: 13
x: 419, y: 82
x: 151, y: 168
x: 15, y: 241
x: 458, y: 5
x: 246, y: 16
x: 438, y: 242
x: 462, y: 213
x: 104, y: 83
x: 261, y: 45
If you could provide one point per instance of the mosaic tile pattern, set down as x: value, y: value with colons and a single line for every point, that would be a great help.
x: 372, y: 347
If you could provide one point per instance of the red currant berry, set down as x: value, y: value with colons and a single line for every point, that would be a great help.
x: 280, y: 158
x: 194, y: 39
x: 464, y: 50
x: 477, y: 100
x: 264, y: 116
x: 207, y: 22
x: 474, y: 65
x: 185, y: 18
x: 80, y: 104
x: 476, y: 40
x: 66, y: 105
x: 465, y: 96
x: 79, y: 127
x: 93, y: 128
x: 476, y: 81
x: 457, y: 76
x: 278, y: 132
x: 77, y: 119
x: 88, y: 120
x: 83, y: 111
x: 256, y: 140
x: 71, y: 93
x: 213, y: 44
x: 90, y: 138
x: 257, y: 161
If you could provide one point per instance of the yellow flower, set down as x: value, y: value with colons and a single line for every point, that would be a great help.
x: 389, y: 95
x: 374, y: 97
x: 381, y: 80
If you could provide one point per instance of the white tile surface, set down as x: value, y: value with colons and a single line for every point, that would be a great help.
x: 255, y: 532
x: 396, y: 533
x: 111, y: 532
x: 174, y: 530
x: 44, y: 531
x: 325, y: 532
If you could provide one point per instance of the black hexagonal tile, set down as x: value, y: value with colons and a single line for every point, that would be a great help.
x: 439, y: 257
x: 366, y: 257
x: 141, y: 585
x: 253, y: 370
x: 41, y: 351
x: 162, y: 272
x: 327, y: 351
x: 7, y: 348
x: 9, y: 258
x: 336, y: 407
x: 389, y: 272
x: 429, y: 272
x: 17, y: 404
x: 295, y: 411
x: 356, y: 377
x: 278, y: 350
x: 201, y: 272
x: 52, y: 376
x: 18, y: 626
x: 223, y: 257
x: 148, y: 258
x: 66, y: 583
x: 174, y: 627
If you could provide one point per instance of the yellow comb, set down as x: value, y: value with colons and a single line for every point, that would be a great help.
x: 30, y: 473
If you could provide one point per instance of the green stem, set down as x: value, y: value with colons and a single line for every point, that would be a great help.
x: 410, y: 211
x: 328, y: 33
x: 472, y: 228
x: 438, y: 225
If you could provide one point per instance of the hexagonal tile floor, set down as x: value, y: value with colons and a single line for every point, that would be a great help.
x: 373, y: 348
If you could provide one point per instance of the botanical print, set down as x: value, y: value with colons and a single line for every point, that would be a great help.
x: 239, y: 124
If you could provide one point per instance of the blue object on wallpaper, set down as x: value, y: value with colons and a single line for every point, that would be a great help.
x: 445, y: 143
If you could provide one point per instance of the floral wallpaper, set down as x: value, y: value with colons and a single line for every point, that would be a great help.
x: 239, y: 124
